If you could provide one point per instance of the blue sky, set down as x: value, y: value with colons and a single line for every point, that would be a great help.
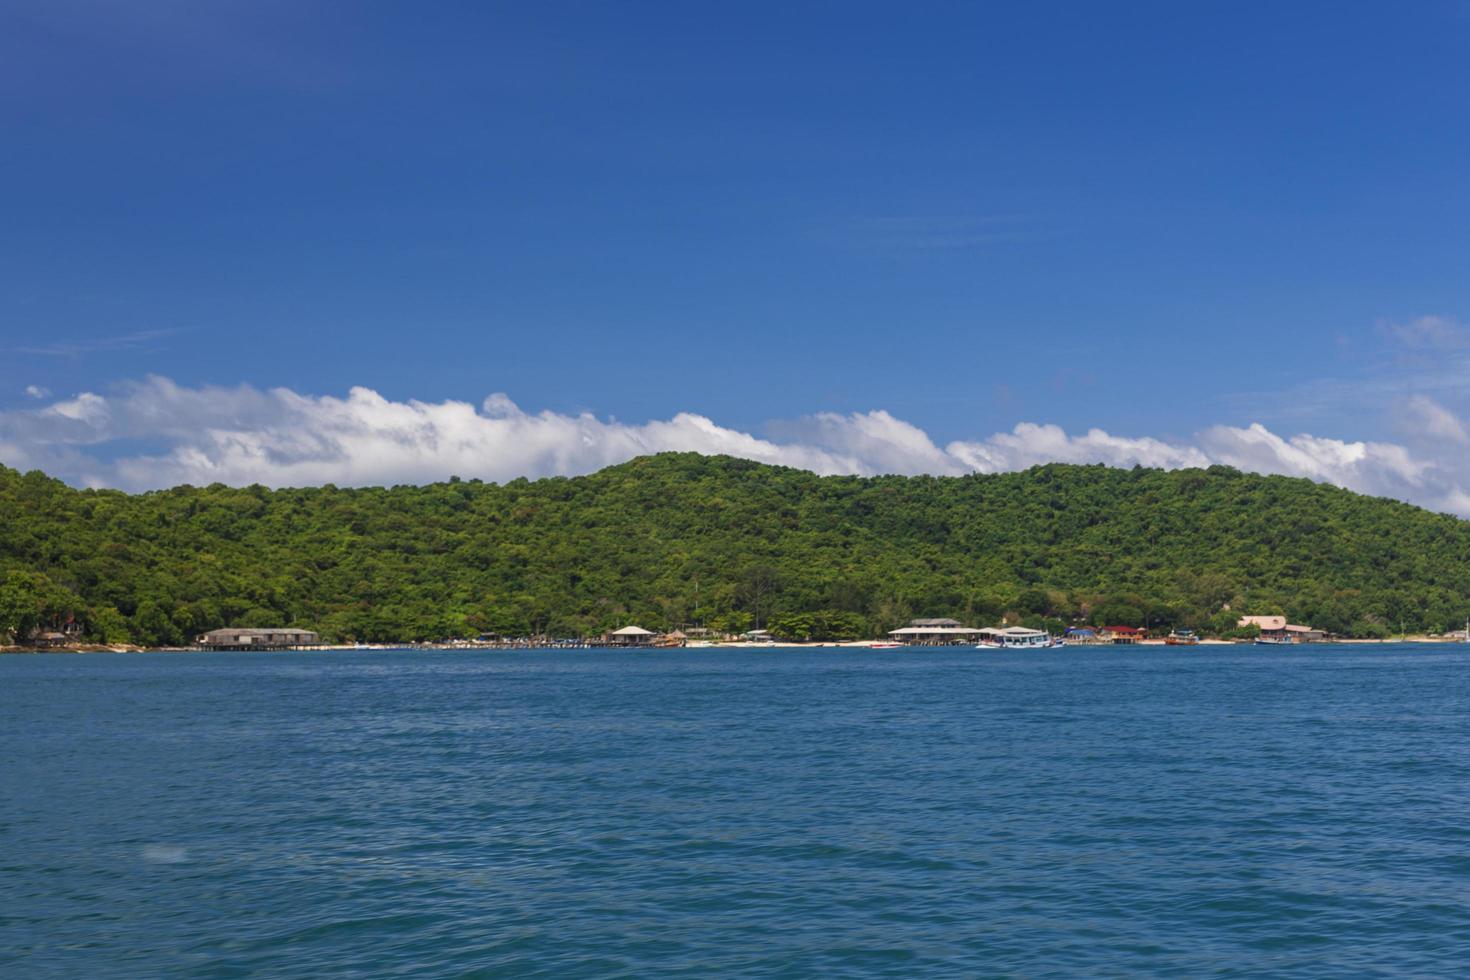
x: 1151, y: 218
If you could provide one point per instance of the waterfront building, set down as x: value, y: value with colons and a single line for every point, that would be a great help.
x: 274, y: 638
x: 933, y: 632
x: 1276, y: 628
x: 629, y: 636
x: 1121, y: 634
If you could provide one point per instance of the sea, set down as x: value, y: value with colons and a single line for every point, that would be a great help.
x: 1215, y: 811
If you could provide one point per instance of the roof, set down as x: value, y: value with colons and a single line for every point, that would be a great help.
x: 934, y: 631
x: 1021, y: 631
x: 1264, y: 622
x: 631, y: 631
x: 934, y: 622
x: 1080, y: 629
x: 1122, y: 629
x: 251, y: 631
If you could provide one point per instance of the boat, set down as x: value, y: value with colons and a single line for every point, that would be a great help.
x: 1274, y: 641
x: 1181, y: 638
x: 885, y: 645
x: 1015, y: 638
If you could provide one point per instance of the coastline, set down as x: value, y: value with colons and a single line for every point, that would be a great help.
x: 123, y: 648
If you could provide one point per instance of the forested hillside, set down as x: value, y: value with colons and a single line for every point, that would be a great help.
x: 681, y: 538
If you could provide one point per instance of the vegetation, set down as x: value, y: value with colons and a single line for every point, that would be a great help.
x: 681, y: 539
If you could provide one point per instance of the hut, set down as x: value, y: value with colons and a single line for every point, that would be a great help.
x: 273, y: 638
x: 628, y: 636
x: 58, y: 634
x: 1122, y: 634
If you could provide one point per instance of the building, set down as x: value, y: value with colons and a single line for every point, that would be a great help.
x: 58, y: 634
x: 1121, y: 634
x: 934, y: 632
x: 273, y: 638
x: 629, y: 636
x: 1278, y: 629
x: 1077, y: 635
x: 1271, y: 627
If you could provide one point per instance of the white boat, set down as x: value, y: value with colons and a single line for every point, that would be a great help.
x: 1015, y: 638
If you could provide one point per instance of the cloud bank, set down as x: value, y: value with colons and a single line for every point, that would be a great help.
x: 155, y: 433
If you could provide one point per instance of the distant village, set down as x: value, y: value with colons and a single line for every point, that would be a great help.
x: 942, y: 632
x: 918, y: 633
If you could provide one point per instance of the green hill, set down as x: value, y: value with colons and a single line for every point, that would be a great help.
x: 682, y: 538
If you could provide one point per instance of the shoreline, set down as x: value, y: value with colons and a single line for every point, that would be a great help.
x: 124, y: 648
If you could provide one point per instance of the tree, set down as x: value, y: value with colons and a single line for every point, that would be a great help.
x: 757, y: 584
x: 106, y: 624
x: 30, y: 601
x: 154, y: 627
x: 21, y: 604
x: 733, y: 622
x: 572, y: 556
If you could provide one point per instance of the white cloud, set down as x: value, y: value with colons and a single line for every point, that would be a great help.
x: 279, y: 437
x: 94, y: 345
x: 1384, y: 469
x: 876, y: 441
x: 1029, y: 444
x: 36, y: 391
x: 1437, y: 421
x: 1432, y: 333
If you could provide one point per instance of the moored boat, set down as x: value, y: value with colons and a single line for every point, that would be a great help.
x: 1015, y: 638
x: 1181, y: 638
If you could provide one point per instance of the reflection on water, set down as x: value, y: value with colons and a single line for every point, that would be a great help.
x: 164, y: 854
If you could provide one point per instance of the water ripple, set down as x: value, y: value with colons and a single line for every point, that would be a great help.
x: 1219, y: 812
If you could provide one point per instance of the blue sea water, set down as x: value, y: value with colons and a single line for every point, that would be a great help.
x: 1220, y: 811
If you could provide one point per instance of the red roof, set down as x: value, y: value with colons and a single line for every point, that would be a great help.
x: 1122, y: 629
